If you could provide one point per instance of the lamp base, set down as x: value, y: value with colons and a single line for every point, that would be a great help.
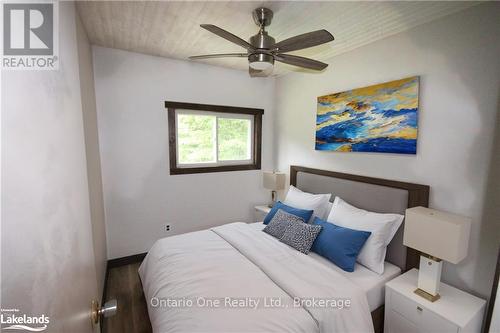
x: 429, y: 277
x: 274, y: 195
x: 426, y: 295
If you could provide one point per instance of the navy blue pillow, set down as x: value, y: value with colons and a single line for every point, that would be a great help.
x: 338, y: 244
x: 302, y: 213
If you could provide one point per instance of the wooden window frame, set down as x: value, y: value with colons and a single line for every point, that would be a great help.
x: 172, y: 137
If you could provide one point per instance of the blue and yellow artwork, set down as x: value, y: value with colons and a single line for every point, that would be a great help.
x: 380, y: 118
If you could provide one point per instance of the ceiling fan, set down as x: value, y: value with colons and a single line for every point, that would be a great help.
x: 262, y: 49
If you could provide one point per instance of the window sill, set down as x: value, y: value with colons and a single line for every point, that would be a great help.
x: 222, y: 168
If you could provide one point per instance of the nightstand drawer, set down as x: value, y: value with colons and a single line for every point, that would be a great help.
x: 415, y: 315
x: 406, y: 307
x: 433, y: 323
x: 399, y: 324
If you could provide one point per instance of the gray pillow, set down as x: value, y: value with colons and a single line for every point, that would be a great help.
x: 280, y: 223
x: 301, y: 236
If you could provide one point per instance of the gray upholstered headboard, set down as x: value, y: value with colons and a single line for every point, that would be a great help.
x: 374, y: 194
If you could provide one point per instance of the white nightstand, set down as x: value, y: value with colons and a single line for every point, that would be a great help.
x: 456, y: 311
x: 260, y: 212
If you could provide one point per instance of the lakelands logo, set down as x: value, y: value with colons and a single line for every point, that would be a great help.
x: 30, y: 35
x: 12, y: 319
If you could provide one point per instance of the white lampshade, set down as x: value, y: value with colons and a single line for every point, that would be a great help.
x: 274, y: 181
x: 439, y: 234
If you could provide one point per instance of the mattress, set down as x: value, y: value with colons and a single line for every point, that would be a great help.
x: 370, y: 282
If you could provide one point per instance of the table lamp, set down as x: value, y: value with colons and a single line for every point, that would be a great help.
x: 439, y: 236
x: 273, y: 181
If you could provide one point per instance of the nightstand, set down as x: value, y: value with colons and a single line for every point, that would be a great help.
x: 260, y: 212
x: 456, y: 311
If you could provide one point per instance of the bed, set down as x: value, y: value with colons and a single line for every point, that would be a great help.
x: 235, y: 278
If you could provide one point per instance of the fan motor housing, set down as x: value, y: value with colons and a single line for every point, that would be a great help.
x: 262, y: 40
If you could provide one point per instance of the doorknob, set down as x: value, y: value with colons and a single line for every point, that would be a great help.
x: 109, y: 309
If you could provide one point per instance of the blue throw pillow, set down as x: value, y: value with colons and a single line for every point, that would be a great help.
x: 302, y: 213
x: 338, y: 244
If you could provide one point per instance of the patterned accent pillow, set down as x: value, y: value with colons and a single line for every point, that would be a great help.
x: 280, y: 222
x: 301, y: 236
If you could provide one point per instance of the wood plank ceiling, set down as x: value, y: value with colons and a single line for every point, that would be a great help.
x: 171, y: 29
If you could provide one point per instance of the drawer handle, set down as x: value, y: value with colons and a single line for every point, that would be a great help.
x: 419, y: 308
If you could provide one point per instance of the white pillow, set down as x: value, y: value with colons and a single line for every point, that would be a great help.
x: 303, y: 200
x: 329, y: 206
x: 382, y: 226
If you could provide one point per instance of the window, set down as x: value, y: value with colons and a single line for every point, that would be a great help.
x: 211, y: 138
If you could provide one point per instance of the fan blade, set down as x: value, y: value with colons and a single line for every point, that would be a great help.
x: 257, y: 73
x: 303, y: 41
x: 301, y: 61
x: 227, y: 35
x: 222, y: 55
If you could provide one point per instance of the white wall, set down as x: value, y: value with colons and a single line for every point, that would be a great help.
x: 92, y: 152
x: 47, y: 253
x: 140, y: 196
x: 457, y: 59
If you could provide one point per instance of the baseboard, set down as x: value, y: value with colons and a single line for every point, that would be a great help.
x: 126, y: 260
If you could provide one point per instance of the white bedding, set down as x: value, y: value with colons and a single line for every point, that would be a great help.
x: 237, y: 262
x: 372, y: 283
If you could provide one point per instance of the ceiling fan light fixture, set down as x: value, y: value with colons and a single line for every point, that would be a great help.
x: 262, y: 49
x: 261, y: 61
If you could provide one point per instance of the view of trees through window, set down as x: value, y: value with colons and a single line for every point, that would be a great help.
x: 234, y: 139
x: 211, y: 139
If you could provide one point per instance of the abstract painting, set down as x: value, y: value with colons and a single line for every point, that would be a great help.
x: 380, y: 118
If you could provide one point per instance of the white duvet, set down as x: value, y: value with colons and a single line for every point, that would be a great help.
x: 236, y: 278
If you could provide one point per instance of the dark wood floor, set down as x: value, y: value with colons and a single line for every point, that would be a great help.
x: 125, y: 286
